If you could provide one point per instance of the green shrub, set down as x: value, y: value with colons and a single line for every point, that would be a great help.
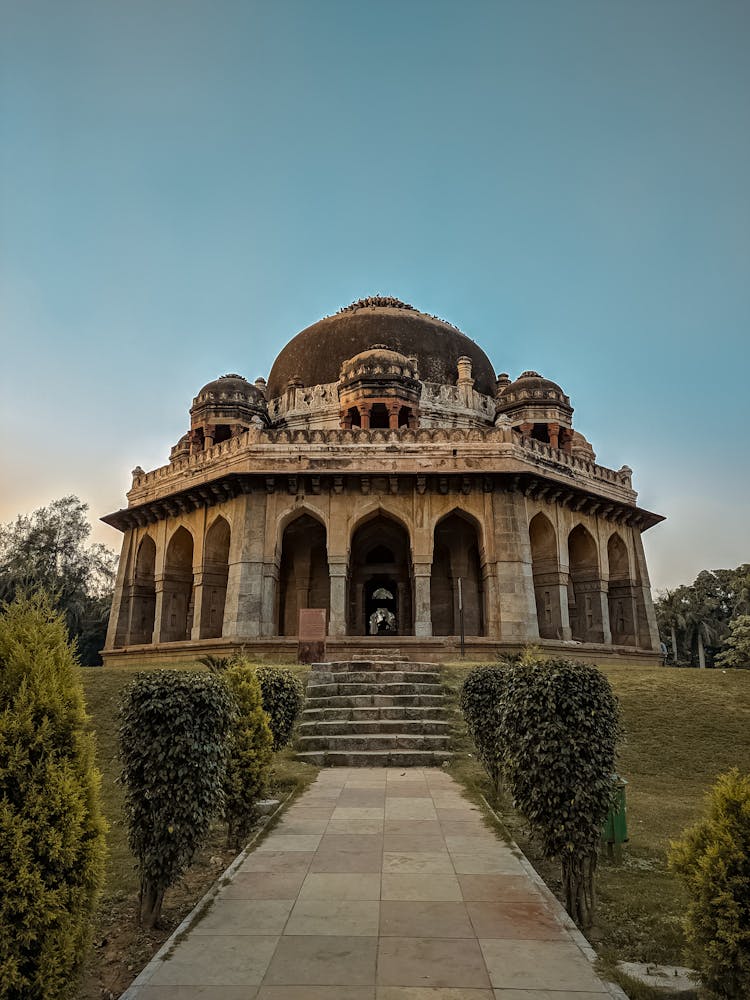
x: 713, y: 860
x: 736, y: 645
x: 283, y: 697
x: 173, y: 740
x: 52, y: 842
x: 557, y: 741
x: 481, y: 701
x: 250, y: 754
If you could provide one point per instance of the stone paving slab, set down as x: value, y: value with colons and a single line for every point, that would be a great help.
x: 377, y: 884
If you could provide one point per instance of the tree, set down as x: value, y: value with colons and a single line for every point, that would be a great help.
x: 736, y: 645
x: 47, y: 550
x: 557, y: 739
x: 52, y: 835
x: 250, y: 753
x: 173, y: 742
x: 670, y: 616
x: 696, y: 618
x: 713, y: 861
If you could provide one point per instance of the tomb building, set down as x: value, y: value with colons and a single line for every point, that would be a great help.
x: 386, y: 474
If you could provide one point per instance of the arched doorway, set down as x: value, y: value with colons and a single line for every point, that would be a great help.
x: 584, y: 587
x: 143, y: 599
x: 304, y: 580
x: 177, y: 614
x: 380, y: 596
x: 622, y: 609
x: 456, y: 556
x: 215, y: 576
x: 546, y: 571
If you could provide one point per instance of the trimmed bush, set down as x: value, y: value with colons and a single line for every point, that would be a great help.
x: 713, y: 861
x: 173, y: 740
x: 557, y: 742
x: 52, y: 843
x: 250, y: 754
x: 481, y: 701
x: 283, y: 698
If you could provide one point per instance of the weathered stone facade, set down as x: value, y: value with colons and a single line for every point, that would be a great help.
x: 371, y: 496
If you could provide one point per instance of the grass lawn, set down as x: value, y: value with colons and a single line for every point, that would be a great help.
x: 121, y: 949
x: 682, y: 729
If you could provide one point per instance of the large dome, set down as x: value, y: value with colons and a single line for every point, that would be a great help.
x: 316, y: 354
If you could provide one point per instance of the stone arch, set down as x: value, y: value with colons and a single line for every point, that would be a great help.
x: 380, y: 565
x: 585, y: 589
x: 177, y: 608
x: 622, y: 593
x: 304, y: 580
x: 214, y: 578
x: 456, y: 555
x: 374, y: 509
x: 143, y: 594
x: 547, y: 578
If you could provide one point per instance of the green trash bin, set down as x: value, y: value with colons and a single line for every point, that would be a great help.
x: 615, y: 832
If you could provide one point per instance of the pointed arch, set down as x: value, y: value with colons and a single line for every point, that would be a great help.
x: 143, y: 601
x: 547, y: 580
x: 380, y: 559
x: 622, y: 596
x: 456, y: 556
x: 584, y: 587
x: 177, y: 610
x: 214, y: 578
x: 304, y: 580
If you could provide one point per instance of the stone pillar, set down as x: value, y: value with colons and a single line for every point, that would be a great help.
x: 422, y: 605
x: 269, y: 600
x: 364, y: 416
x: 120, y: 598
x: 515, y: 583
x: 159, y: 582
x: 551, y: 589
x: 393, y: 409
x: 553, y: 430
x: 159, y: 589
x: 198, y: 596
x: 648, y: 630
x: 337, y: 618
x: 592, y: 609
x: 242, y: 607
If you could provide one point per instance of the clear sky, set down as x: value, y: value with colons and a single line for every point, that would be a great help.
x: 185, y: 185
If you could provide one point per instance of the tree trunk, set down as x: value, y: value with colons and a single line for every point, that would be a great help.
x: 150, y: 901
x: 580, y: 893
x: 701, y: 652
x: 674, y: 645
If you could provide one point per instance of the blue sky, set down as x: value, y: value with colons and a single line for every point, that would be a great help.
x: 184, y: 186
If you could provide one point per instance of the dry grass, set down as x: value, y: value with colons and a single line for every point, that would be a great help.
x: 682, y: 729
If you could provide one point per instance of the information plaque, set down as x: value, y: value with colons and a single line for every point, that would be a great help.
x: 312, y: 635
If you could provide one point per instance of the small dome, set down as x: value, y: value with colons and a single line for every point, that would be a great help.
x: 229, y: 388
x: 379, y: 360
x: 530, y: 387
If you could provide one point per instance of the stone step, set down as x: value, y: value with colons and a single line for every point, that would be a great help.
x: 326, y: 690
x: 376, y: 700
x: 376, y: 758
x: 366, y: 727
x: 386, y: 741
x: 393, y: 712
x: 371, y: 664
x: 376, y: 677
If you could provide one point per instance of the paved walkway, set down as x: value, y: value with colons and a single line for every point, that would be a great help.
x: 378, y: 884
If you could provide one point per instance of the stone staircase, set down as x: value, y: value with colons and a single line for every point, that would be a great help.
x: 374, y: 713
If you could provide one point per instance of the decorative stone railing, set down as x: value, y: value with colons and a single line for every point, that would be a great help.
x: 256, y: 448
